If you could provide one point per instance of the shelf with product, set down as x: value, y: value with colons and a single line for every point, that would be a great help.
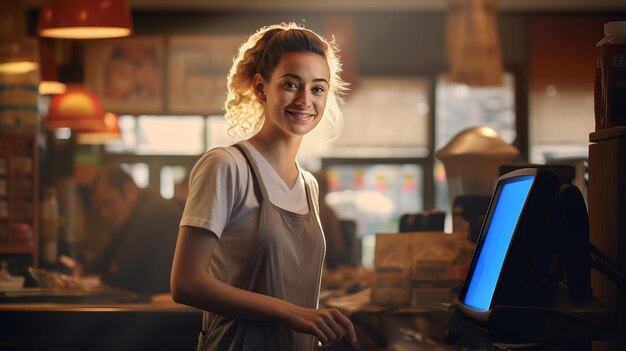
x: 19, y: 196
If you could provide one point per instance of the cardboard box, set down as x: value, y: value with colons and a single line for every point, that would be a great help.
x: 419, y: 268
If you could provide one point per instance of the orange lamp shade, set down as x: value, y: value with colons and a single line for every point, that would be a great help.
x: 78, y: 109
x: 91, y: 19
x: 110, y: 131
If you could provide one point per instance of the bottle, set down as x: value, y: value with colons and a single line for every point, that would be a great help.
x: 49, y: 226
x: 610, y: 77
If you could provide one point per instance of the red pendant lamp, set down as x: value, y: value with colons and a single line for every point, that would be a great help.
x: 85, y: 19
x: 77, y: 109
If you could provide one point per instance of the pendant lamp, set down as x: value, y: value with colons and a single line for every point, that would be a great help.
x: 472, y: 43
x: 77, y: 109
x: 85, y: 19
x: 18, y: 52
x: 48, y: 63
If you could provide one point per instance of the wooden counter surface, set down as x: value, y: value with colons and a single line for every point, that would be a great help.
x: 98, y: 326
x: 150, y: 307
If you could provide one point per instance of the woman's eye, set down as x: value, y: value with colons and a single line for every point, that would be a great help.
x: 319, y: 90
x: 290, y: 85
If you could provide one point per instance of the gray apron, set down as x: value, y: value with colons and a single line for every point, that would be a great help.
x: 286, y: 263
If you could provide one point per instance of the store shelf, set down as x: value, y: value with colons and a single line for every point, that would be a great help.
x: 19, y: 194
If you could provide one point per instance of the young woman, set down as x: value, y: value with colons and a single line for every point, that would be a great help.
x: 250, y: 246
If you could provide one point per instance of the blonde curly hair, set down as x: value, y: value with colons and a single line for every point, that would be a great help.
x: 261, y: 53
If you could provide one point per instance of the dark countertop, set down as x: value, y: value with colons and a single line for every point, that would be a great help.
x: 148, y: 307
x: 98, y: 326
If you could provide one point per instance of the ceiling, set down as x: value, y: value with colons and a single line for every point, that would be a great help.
x: 361, y: 5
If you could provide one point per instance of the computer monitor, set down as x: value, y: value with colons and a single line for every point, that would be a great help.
x: 535, y: 239
x: 516, y: 245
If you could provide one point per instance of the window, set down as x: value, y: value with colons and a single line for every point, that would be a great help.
x: 160, y: 135
x: 459, y: 107
x: 374, y: 194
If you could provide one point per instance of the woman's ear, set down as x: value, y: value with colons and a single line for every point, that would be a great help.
x: 258, y: 84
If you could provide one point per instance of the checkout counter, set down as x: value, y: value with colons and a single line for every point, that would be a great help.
x: 141, y: 325
x: 94, y: 319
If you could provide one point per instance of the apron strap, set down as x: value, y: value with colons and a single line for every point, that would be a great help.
x: 259, y: 186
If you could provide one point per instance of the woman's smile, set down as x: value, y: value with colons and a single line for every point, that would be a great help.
x: 300, y: 115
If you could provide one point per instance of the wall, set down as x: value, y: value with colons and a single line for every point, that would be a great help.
x: 561, y: 66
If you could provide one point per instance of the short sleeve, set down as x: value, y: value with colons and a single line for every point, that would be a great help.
x: 213, y: 191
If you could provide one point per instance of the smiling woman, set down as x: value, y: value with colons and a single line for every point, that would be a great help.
x: 244, y: 113
x: 294, y: 96
x: 251, y: 215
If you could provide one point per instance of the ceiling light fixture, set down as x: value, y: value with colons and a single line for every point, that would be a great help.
x: 18, y: 52
x: 472, y: 43
x: 78, y: 109
x: 93, y: 19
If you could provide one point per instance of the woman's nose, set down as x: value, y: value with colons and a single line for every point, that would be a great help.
x: 303, y: 99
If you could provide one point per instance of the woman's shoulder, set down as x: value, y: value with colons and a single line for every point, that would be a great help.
x: 222, y: 157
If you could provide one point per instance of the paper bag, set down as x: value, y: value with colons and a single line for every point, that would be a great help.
x: 414, y: 269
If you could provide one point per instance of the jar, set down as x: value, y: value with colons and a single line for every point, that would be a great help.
x: 610, y: 77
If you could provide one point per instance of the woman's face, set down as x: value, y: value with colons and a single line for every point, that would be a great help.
x: 295, y: 96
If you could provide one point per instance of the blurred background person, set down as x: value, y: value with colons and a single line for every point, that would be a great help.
x: 138, y: 256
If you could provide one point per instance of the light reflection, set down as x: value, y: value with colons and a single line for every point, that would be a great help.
x: 63, y: 133
x: 551, y: 90
x: 423, y: 108
x: 167, y: 182
x: 461, y: 91
x: 140, y: 173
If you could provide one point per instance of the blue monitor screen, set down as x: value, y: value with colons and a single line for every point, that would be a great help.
x: 508, y: 207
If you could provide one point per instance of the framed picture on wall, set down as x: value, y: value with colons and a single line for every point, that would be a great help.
x: 127, y: 73
x: 197, y: 70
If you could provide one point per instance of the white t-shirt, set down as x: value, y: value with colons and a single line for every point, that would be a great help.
x: 222, y: 200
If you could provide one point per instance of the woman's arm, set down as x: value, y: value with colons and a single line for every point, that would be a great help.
x: 191, y: 284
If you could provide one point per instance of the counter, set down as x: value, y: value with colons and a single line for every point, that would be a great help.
x: 169, y: 326
x: 99, y: 326
x: 440, y: 326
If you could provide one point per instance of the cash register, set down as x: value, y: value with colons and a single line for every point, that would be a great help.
x: 530, y: 275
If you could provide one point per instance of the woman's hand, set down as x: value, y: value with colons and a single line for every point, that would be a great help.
x: 328, y: 325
